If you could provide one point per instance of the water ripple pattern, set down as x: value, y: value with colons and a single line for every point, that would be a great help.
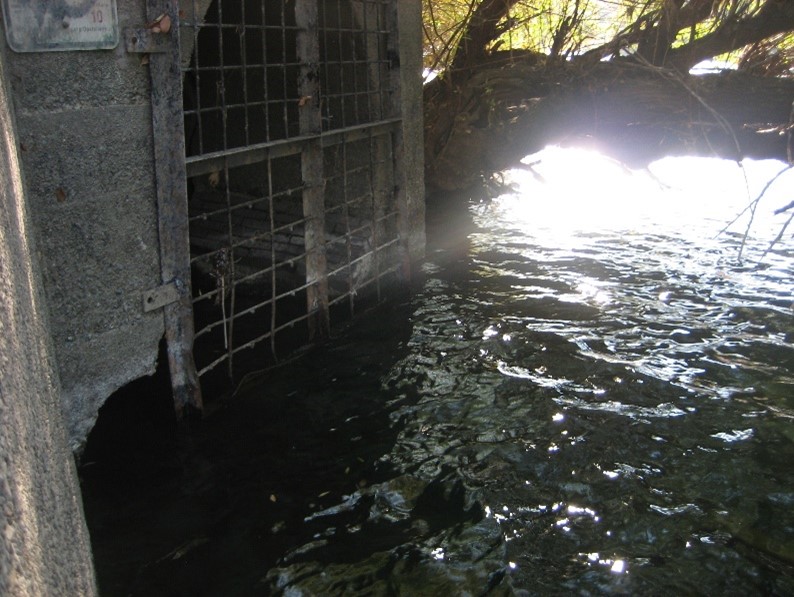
x: 598, y: 395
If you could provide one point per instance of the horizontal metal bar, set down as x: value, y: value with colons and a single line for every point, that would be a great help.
x: 243, y: 156
x: 270, y: 333
x: 208, y: 328
x: 213, y: 364
x: 223, y: 210
x: 292, y: 292
x: 291, y: 323
x: 367, y: 282
x: 236, y: 27
x: 386, y: 245
x: 253, y: 154
x: 252, y: 343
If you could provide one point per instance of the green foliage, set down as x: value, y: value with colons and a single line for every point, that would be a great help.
x: 444, y: 24
x: 771, y: 57
x: 569, y: 28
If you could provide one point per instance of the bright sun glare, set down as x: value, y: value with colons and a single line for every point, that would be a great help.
x: 580, y: 191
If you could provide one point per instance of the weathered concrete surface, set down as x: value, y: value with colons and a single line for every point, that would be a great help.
x: 44, y: 545
x: 84, y: 127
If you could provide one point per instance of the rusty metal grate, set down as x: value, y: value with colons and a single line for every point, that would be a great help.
x: 290, y: 129
x: 355, y: 62
x: 362, y: 243
x: 240, y: 85
x: 247, y: 249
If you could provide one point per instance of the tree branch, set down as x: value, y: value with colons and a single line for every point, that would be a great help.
x: 776, y: 16
x: 482, y: 29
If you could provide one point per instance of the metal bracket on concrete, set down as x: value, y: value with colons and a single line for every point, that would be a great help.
x: 145, y: 41
x: 161, y: 296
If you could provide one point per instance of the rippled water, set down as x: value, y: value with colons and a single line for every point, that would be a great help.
x: 587, y: 393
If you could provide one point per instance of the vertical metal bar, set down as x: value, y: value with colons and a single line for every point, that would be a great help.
x: 381, y: 179
x: 383, y: 82
x: 345, y: 86
x: 308, y: 46
x: 221, y: 83
x: 326, y: 103
x: 273, y: 279
x: 169, y: 152
x: 228, y: 319
x: 196, y: 27
x: 266, y: 84
x: 348, y: 236
x: 241, y: 33
x: 371, y: 55
x: 285, y: 83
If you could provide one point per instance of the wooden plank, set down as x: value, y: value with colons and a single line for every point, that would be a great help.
x: 405, y: 18
x: 169, y: 153
x: 308, y: 47
x: 402, y: 200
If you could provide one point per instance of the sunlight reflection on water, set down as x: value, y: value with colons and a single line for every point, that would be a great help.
x: 652, y: 259
x: 577, y: 191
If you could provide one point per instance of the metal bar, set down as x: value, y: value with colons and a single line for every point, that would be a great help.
x: 340, y: 59
x: 228, y: 319
x: 159, y: 297
x: 251, y: 343
x: 273, y: 261
x: 197, y: 75
x: 244, y: 156
x: 390, y: 270
x: 226, y: 268
x: 241, y: 30
x: 310, y: 117
x: 346, y: 216
x: 265, y: 82
x: 284, y: 79
x: 169, y: 152
x: 376, y: 180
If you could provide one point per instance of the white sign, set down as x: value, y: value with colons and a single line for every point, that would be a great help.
x: 60, y: 25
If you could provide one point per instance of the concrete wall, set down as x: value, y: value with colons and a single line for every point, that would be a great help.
x: 84, y: 128
x: 44, y: 546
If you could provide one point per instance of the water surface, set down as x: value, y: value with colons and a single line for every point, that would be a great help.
x: 590, y: 391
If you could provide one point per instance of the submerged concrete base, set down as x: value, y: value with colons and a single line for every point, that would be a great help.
x: 44, y: 544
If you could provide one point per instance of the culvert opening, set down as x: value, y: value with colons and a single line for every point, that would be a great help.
x: 135, y: 426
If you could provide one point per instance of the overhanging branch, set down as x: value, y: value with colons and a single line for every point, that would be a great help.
x: 776, y: 16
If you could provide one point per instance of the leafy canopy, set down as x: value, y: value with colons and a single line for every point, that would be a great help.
x: 459, y: 33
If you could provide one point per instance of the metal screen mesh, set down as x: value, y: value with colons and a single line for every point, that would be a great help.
x: 288, y: 219
x: 355, y: 65
x: 241, y: 85
x: 361, y: 224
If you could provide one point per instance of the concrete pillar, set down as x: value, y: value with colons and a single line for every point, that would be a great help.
x: 44, y: 544
x: 84, y: 124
